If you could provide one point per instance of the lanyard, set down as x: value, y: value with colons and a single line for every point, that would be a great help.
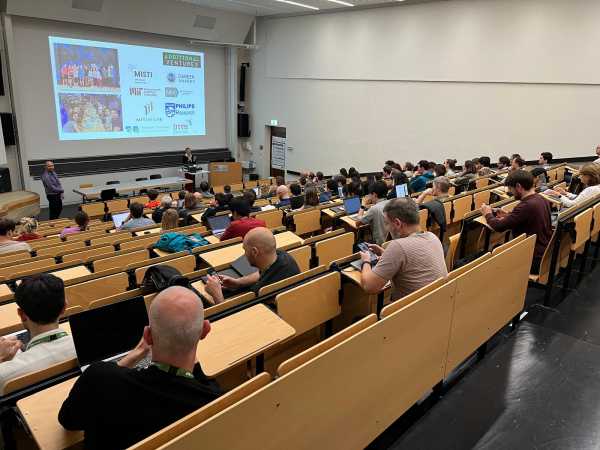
x: 50, y: 338
x: 172, y: 370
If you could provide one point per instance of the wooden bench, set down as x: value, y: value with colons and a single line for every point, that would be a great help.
x: 83, y: 294
x: 302, y: 257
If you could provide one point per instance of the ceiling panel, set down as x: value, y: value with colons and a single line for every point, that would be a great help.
x: 272, y: 7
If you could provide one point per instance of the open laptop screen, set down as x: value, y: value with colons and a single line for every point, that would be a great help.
x: 108, y: 331
x: 218, y: 224
x: 401, y: 191
x: 352, y: 205
x: 119, y: 218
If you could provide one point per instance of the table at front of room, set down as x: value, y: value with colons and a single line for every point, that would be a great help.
x: 233, y: 340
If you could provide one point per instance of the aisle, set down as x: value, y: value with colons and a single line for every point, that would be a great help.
x: 539, y: 388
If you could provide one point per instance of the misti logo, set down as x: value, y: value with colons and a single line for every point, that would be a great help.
x: 148, y: 108
x: 142, y: 74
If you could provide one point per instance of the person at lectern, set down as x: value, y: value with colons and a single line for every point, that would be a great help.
x: 54, y: 190
x: 188, y: 157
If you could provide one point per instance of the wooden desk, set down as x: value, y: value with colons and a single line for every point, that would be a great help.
x: 150, y: 231
x: 5, y: 293
x: 223, y: 257
x: 72, y: 272
x: 354, y: 224
x: 240, y: 337
x: 201, y: 288
x: 356, y: 301
x: 501, y: 192
x: 40, y: 412
x: 9, y: 319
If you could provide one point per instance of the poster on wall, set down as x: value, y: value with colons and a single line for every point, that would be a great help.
x: 106, y: 90
x: 278, y: 151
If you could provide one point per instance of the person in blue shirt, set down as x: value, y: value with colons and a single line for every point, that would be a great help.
x: 424, y: 174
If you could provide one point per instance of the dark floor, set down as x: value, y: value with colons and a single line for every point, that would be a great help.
x: 539, y: 388
x: 68, y: 211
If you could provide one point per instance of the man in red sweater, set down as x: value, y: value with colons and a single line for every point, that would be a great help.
x: 242, y: 223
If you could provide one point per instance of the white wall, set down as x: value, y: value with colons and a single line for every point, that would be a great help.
x: 459, y: 78
x: 34, y: 100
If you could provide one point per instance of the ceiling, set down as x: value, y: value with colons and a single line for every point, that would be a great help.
x: 272, y: 7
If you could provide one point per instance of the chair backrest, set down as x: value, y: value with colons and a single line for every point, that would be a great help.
x: 321, y: 237
x: 310, y: 304
x: 448, y: 211
x: 143, y: 199
x: 451, y: 253
x: 307, y: 222
x: 480, y: 312
x: 583, y: 227
x: 24, y: 266
x: 184, y: 424
x: 462, y: 269
x: 16, y: 256
x: 32, y: 378
x: 479, y: 198
x: 596, y: 225
x: 85, y: 235
x: 302, y: 257
x: 86, y: 254
x: 229, y: 303
x: 184, y: 265
x: 508, y: 244
x: 46, y: 242
x: 481, y: 182
x: 423, y: 215
x: 139, y: 243
x: 461, y: 206
x: 335, y: 248
x: 84, y: 293
x: 273, y: 218
x: 400, y: 303
x: 278, y: 285
x: 86, y: 185
x: 296, y: 361
x: 117, y: 205
x: 95, y: 209
x: 61, y: 248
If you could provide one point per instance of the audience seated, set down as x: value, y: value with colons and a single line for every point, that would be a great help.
x: 590, y: 177
x: 412, y: 260
x: 503, y: 163
x: 227, y: 192
x: 423, y: 175
x: 250, y: 197
x: 205, y: 190
x: 170, y: 220
x: 242, y: 222
x: 165, y: 203
x: 545, y: 160
x: 483, y: 166
x: 136, y: 218
x: 517, y: 163
x: 218, y: 204
x: 41, y: 301
x: 468, y: 174
x: 117, y: 405
x: 261, y: 251
x: 319, y: 179
x: 27, y: 229
x: 181, y: 199
x: 311, y: 197
x: 344, y: 172
x: 189, y: 207
x: 398, y: 178
x: 283, y: 194
x: 330, y: 191
x: 82, y: 221
x: 450, y: 167
x: 531, y: 216
x: 409, y: 169
x: 374, y: 215
x: 439, y: 191
x: 439, y: 170
x: 153, y: 196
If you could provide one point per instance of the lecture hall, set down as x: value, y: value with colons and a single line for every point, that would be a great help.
x: 308, y: 224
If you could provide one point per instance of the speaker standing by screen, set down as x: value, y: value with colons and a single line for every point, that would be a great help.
x: 54, y: 190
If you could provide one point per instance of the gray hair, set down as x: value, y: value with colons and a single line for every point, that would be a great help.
x: 443, y: 184
x: 403, y: 209
x: 176, y: 319
x: 166, y: 201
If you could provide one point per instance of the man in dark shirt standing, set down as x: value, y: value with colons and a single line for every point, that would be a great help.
x: 116, y: 405
x: 531, y: 216
x: 261, y: 251
x: 54, y: 190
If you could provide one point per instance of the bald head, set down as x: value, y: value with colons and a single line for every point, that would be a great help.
x: 176, y: 320
x: 283, y: 191
x: 260, y: 247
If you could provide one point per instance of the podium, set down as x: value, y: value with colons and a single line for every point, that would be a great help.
x: 222, y: 173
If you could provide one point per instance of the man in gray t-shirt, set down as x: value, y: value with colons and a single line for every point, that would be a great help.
x: 374, y: 215
x: 412, y: 260
x: 136, y: 219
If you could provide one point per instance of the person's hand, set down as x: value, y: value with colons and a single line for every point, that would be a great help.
x: 560, y: 190
x: 9, y: 346
x: 500, y: 213
x: 485, y: 210
x: 365, y: 257
x: 361, y: 212
x: 428, y: 191
x: 228, y: 282
x: 376, y: 249
x: 213, y: 288
x: 552, y: 192
x: 136, y: 355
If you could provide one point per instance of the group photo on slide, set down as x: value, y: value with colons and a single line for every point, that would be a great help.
x: 84, y: 67
x: 87, y: 113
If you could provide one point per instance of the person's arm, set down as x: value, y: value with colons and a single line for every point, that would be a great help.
x: 72, y: 414
x: 423, y: 194
x: 507, y: 222
x: 567, y: 202
x: 229, y: 232
x: 365, y: 217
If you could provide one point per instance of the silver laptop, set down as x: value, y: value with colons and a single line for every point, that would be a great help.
x: 119, y: 218
x: 218, y: 224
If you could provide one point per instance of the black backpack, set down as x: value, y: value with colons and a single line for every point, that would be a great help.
x: 160, y: 277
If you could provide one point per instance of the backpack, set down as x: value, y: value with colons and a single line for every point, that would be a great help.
x: 176, y: 242
x: 160, y: 277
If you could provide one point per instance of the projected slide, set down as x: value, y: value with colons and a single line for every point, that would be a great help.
x: 104, y: 90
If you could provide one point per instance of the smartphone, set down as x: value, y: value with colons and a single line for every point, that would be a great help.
x: 341, y: 191
x: 363, y: 246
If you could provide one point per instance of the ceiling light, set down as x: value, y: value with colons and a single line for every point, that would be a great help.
x: 340, y: 2
x: 289, y: 2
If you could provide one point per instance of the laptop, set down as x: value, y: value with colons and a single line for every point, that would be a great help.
x: 218, y: 224
x: 119, y: 218
x: 401, y: 190
x: 351, y: 206
x: 110, y: 332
